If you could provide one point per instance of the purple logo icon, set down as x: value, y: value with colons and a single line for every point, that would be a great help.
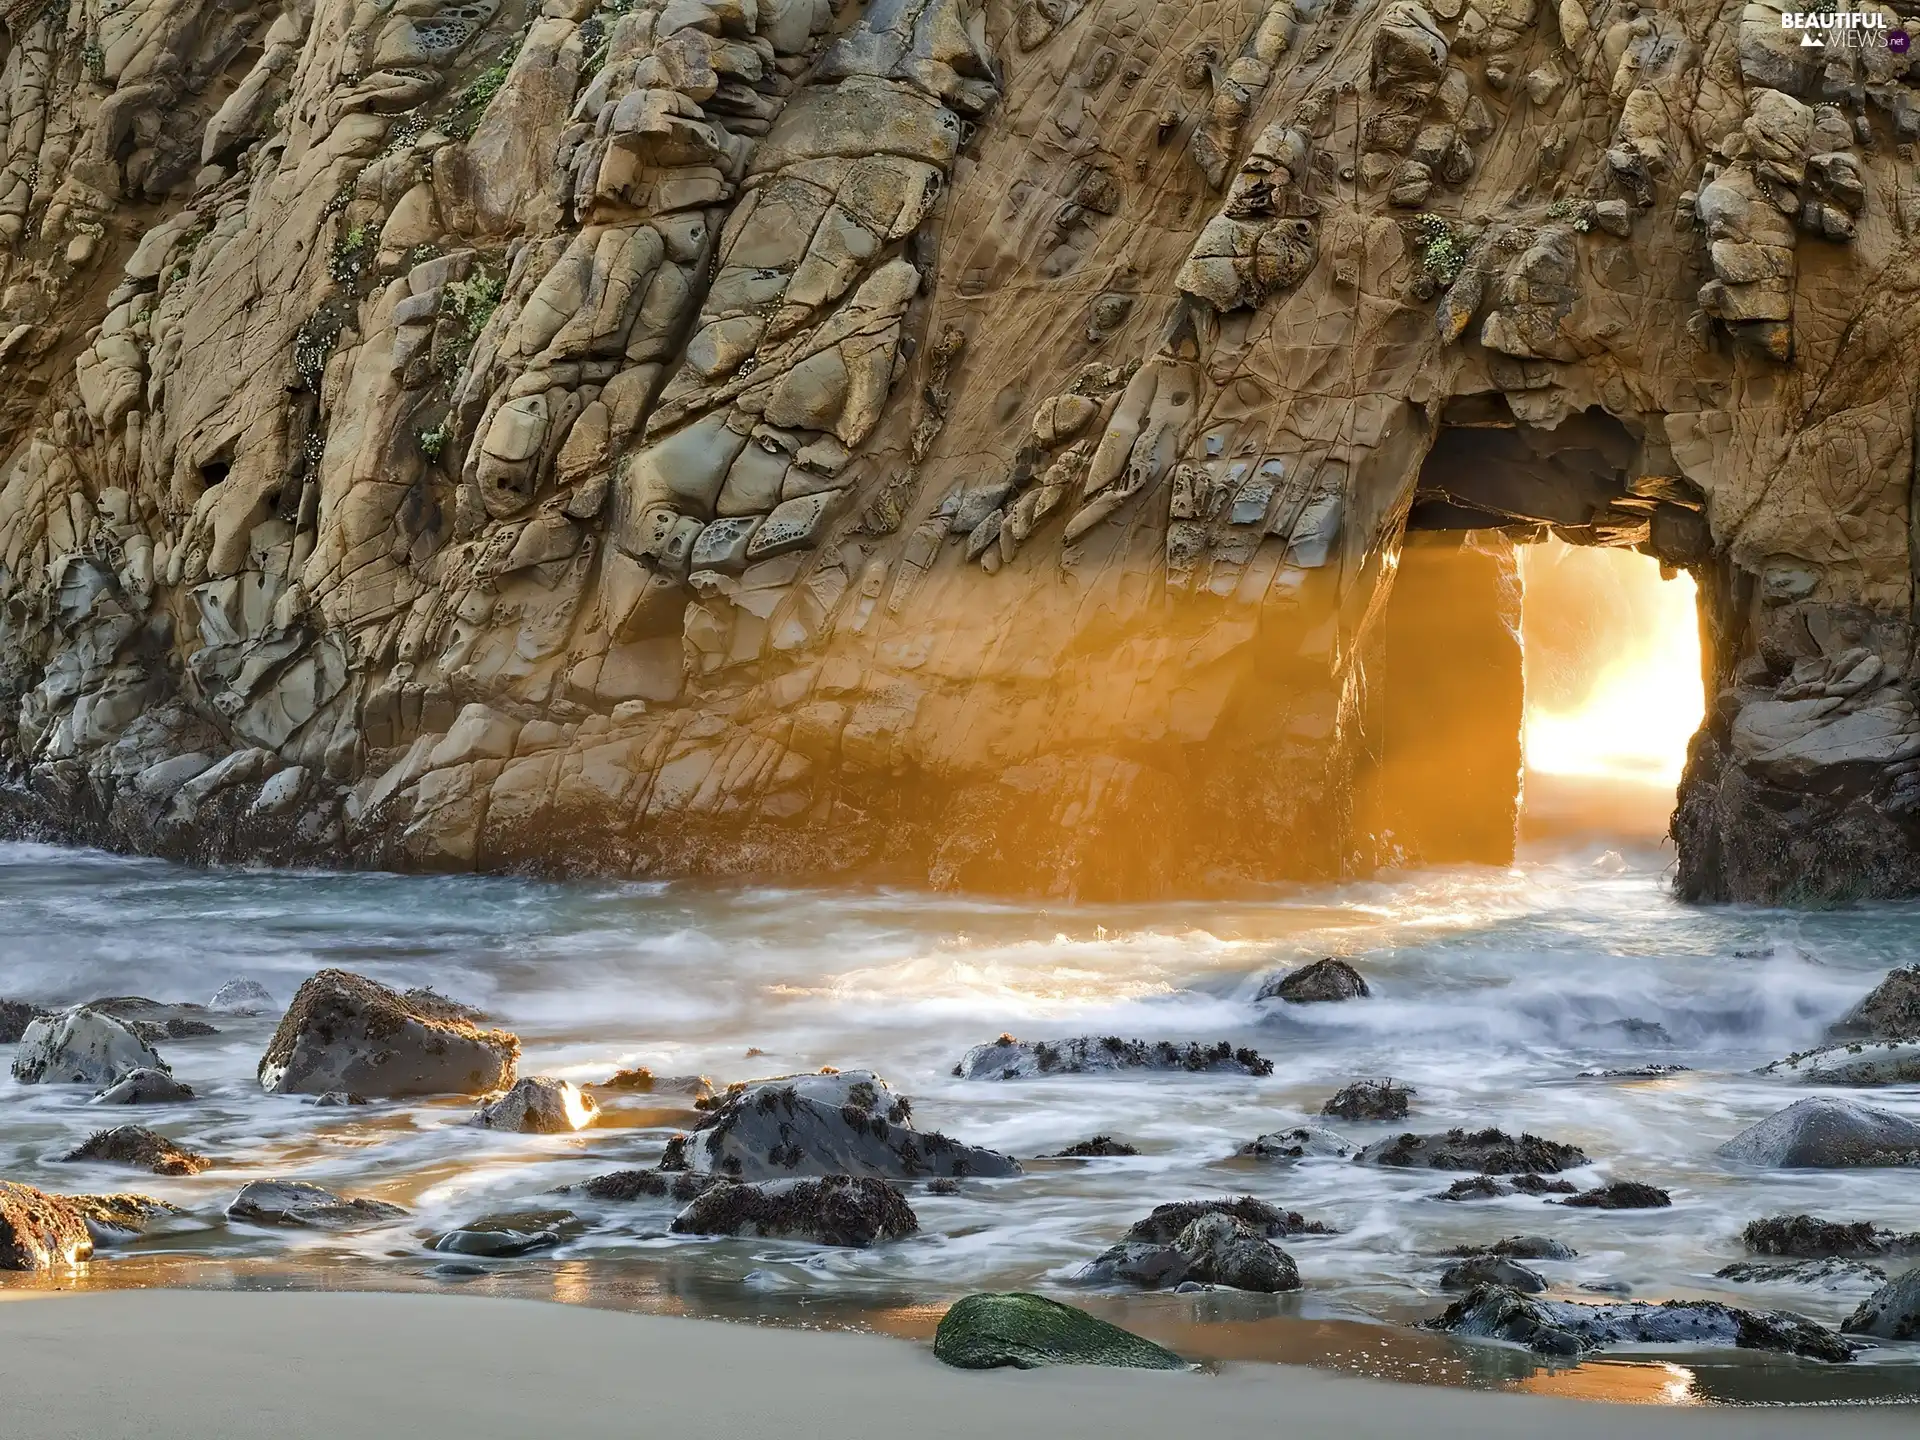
x: 1898, y: 41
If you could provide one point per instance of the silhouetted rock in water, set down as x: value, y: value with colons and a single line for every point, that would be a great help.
x: 425, y: 1000
x: 1100, y: 1147
x: 1493, y: 1270
x: 1026, y: 1332
x: 1215, y: 1247
x: 39, y: 1231
x: 1620, y: 1195
x: 642, y: 1081
x: 15, y: 1016
x: 1558, y: 1327
x: 1370, y: 1100
x: 1859, y: 1064
x: 144, y: 1087
x: 1321, y: 982
x: 1520, y: 1247
x: 1641, y: 1032
x: 515, y: 1232
x: 1820, y: 1133
x: 1805, y: 1237
x: 540, y: 1105
x: 1890, y: 1011
x: 1011, y: 1059
x: 114, y: 1219
x: 81, y: 1047
x: 1167, y: 1221
x: 943, y: 1186
x: 1298, y: 1143
x: 1891, y: 1313
x: 346, y: 1032
x: 333, y: 1099
x: 1489, y: 1187
x: 850, y: 1210
x: 1637, y: 1072
x: 1491, y: 1152
x: 295, y: 1202
x: 1827, y: 1274
x: 680, y: 1185
x: 176, y: 1028
x: 847, y: 1123
x: 242, y: 997
x: 140, y: 1147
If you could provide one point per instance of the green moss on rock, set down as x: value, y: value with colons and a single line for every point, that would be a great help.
x: 986, y: 1332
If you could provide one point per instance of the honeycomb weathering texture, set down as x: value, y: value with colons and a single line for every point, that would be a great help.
x: 970, y: 442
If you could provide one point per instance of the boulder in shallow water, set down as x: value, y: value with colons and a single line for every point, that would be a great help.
x: 1319, y: 983
x: 1860, y: 1064
x: 1300, y: 1143
x: 1806, y: 1237
x: 1491, y: 1187
x: 1823, y: 1274
x: 144, y: 1087
x: 540, y: 1105
x: 346, y: 1032
x: 141, y: 1148
x: 115, y: 1218
x: 1821, y: 1133
x: 39, y: 1231
x: 1492, y: 1270
x: 846, y: 1123
x: 1215, y: 1247
x: 82, y: 1047
x: 1891, y: 1011
x: 1011, y: 1059
x: 242, y: 997
x: 1891, y: 1313
x: 678, y: 1185
x: 851, y: 1210
x: 1167, y: 1221
x: 1620, y: 1195
x: 1100, y: 1147
x: 1026, y: 1332
x: 295, y: 1202
x: 642, y: 1081
x: 1520, y: 1247
x: 1491, y: 1152
x: 510, y: 1233
x: 1562, y: 1327
x: 1370, y: 1100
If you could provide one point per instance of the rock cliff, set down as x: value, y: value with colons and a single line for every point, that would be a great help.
x: 971, y: 440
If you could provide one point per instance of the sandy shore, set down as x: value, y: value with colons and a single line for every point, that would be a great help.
x: 160, y: 1364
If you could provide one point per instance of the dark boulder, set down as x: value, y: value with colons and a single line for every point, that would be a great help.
x: 346, y: 1032
x: 845, y: 1123
x: 621, y: 1185
x: 510, y: 1233
x: 1319, y: 983
x: 1100, y: 1147
x: 1857, y: 1064
x: 1827, y: 1134
x: 1011, y: 1059
x: 1636, y: 1072
x: 1891, y: 1313
x: 1167, y: 1221
x: 1890, y: 1011
x: 642, y: 1081
x: 295, y: 1202
x: 1025, y: 1332
x: 39, y: 1231
x: 1491, y: 1152
x: 1216, y: 1247
x: 1493, y: 1270
x: 1489, y: 1187
x: 144, y: 1087
x: 1805, y: 1237
x: 141, y: 1148
x: 1299, y: 1143
x: 1559, y: 1327
x: 15, y: 1016
x: 1520, y: 1247
x: 115, y: 1218
x: 1621, y: 1195
x: 540, y: 1105
x: 1370, y: 1100
x: 1828, y: 1274
x: 851, y: 1210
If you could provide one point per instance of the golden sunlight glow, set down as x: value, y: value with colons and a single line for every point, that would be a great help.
x: 1630, y: 716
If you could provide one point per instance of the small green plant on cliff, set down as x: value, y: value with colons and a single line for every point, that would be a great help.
x: 350, y: 255
x: 472, y: 102
x: 1441, y: 251
x: 1577, y: 213
x: 433, y: 442
x: 313, y: 344
x: 472, y: 301
x: 95, y: 60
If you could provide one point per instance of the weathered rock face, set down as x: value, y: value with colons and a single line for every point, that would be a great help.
x: 1322, y: 981
x: 141, y: 1148
x: 1805, y: 1237
x: 1890, y: 1011
x: 832, y: 1210
x: 695, y: 437
x: 1491, y: 1152
x: 144, y: 1087
x: 1215, y: 1247
x: 540, y: 1105
x: 297, y: 1202
x: 1560, y: 1327
x: 1299, y: 1143
x: 1892, y: 1312
x: 1820, y: 1134
x: 40, y: 1231
x: 82, y: 1046
x: 345, y: 1032
x: 1025, y: 1332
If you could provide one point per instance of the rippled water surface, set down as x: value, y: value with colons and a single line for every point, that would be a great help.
x: 1493, y: 989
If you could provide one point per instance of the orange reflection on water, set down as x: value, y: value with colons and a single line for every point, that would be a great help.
x: 1622, y: 1384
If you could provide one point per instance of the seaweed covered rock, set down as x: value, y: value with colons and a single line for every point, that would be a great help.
x: 144, y: 1087
x: 82, y: 1046
x: 1806, y: 1237
x: 1167, y: 1221
x: 1300, y: 1143
x: 1026, y: 1332
x: 346, y: 1032
x: 242, y: 997
x: 1321, y: 982
x: 1520, y: 1247
x: 114, y: 1218
x: 1490, y: 1152
x: 1100, y: 1147
x: 540, y: 1105
x: 141, y: 1148
x: 1492, y: 1270
x: 1492, y: 1187
x: 850, y: 1210
x: 846, y: 1123
x: 1890, y: 1011
x: 1011, y: 1059
x: 425, y: 1000
x: 1860, y: 1064
x: 1821, y: 1133
x: 1620, y: 1195
x: 509, y: 1233
x: 620, y: 1185
x: 296, y: 1202
x: 1891, y: 1313
x: 39, y: 1231
x: 1560, y: 1327
x: 642, y: 1081
x: 1829, y: 1274
x: 1211, y: 1242
x: 1370, y: 1100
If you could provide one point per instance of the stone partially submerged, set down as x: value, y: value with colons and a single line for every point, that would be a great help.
x: 1209, y: 1242
x: 82, y: 1047
x: 1890, y: 1011
x: 681, y: 1185
x: 242, y: 997
x: 849, y: 1210
x: 1322, y: 982
x: 144, y: 1087
x: 1806, y: 1237
x: 296, y: 1202
x: 1821, y: 1133
x: 1891, y: 1313
x: 1011, y: 1059
x: 39, y: 1231
x: 1564, y: 1327
x: 1026, y: 1332
x: 1300, y: 1143
x: 1620, y: 1195
x: 1370, y: 1100
x: 1490, y: 1152
x: 346, y: 1032
x: 845, y: 1123
x: 1481, y: 1270
x: 1858, y: 1064
x: 540, y: 1105
x: 141, y: 1148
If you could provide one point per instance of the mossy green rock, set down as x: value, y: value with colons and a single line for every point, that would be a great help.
x: 984, y: 1332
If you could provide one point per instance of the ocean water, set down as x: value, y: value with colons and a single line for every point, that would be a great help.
x: 1493, y: 989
